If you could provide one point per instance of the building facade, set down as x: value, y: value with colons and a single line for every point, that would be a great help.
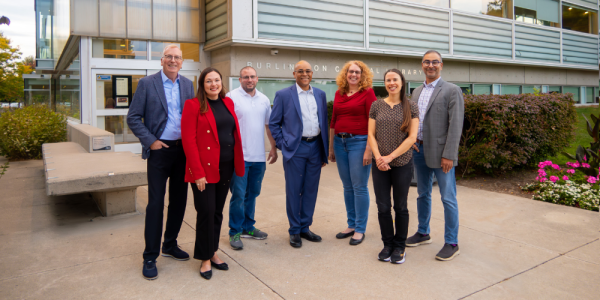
x: 488, y: 46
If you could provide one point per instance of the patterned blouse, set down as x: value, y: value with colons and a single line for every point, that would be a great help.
x: 387, y: 129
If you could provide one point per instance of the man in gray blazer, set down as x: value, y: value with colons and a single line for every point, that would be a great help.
x: 155, y: 118
x: 441, y: 115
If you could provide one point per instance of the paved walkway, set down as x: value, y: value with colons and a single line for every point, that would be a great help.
x: 511, y: 248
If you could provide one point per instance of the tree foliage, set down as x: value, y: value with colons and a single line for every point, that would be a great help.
x: 11, y: 71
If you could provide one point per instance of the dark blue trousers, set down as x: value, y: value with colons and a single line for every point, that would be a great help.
x: 302, y: 175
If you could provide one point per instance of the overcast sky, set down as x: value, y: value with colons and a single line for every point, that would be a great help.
x: 21, y: 31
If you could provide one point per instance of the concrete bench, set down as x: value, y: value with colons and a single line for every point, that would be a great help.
x: 88, y: 164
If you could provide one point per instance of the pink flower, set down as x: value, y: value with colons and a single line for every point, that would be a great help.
x: 542, y: 173
x: 585, y: 165
x: 556, y: 167
x: 543, y: 179
x: 553, y: 178
x: 584, y: 158
x: 565, y: 178
x: 571, y: 171
x: 592, y: 179
x: 575, y: 165
x: 540, y: 178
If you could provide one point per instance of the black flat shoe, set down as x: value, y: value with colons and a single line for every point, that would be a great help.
x: 342, y: 235
x: 311, y: 236
x: 295, y: 240
x: 354, y: 242
x: 206, y: 275
x: 221, y: 266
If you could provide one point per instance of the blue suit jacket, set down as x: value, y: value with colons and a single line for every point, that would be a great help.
x: 286, y: 121
x: 148, y: 112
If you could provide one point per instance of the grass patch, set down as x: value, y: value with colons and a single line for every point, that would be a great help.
x: 581, y: 135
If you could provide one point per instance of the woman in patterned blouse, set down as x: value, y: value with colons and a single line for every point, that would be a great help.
x: 393, y: 126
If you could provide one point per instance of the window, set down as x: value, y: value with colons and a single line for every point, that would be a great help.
x: 589, y: 95
x: 540, y: 12
x: 496, y: 8
x: 511, y: 89
x: 532, y: 89
x: 270, y: 86
x: 119, y: 48
x: 554, y: 89
x: 118, y: 126
x: 43, y: 9
x: 482, y: 89
x: 191, y: 52
x: 579, y: 19
x: 465, y: 87
x: 104, y: 90
x: 575, y: 90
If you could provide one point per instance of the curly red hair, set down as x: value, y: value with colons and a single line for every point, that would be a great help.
x: 366, y: 77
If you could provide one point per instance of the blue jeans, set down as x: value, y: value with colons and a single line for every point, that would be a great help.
x: 244, y: 191
x: 349, y: 154
x: 447, y: 183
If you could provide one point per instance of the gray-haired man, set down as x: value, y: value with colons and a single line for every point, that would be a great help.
x: 441, y: 115
x: 155, y: 118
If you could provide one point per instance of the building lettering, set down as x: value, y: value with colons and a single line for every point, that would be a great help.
x: 323, y: 68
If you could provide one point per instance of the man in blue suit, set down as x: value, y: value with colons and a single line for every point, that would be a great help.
x: 298, y: 124
x: 155, y: 118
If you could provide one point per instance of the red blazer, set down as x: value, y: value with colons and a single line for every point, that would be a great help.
x: 201, y: 142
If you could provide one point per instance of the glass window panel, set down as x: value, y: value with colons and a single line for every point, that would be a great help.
x: 575, y: 90
x: 412, y: 86
x: 531, y: 89
x: 119, y: 48
x: 589, y: 95
x: 554, y: 88
x: 511, y: 89
x: 68, y: 103
x: 37, y: 97
x: 579, y: 19
x: 163, y: 19
x: 104, y: 90
x: 139, y: 19
x: 188, y: 20
x: 112, y: 18
x: 118, y: 126
x: 36, y: 83
x: 43, y: 9
x: 496, y: 89
x: 540, y: 12
x: 270, y: 86
x: 440, y: 3
x: 84, y: 16
x: 482, y: 89
x: 496, y: 8
x: 465, y: 87
x: 191, y: 52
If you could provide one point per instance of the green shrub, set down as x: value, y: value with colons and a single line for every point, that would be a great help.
x: 329, y: 111
x: 503, y: 132
x: 23, y: 131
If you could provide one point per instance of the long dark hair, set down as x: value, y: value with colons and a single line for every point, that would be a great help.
x: 403, y: 100
x: 201, y: 94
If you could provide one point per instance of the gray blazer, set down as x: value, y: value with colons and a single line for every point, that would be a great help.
x: 442, y: 123
x: 148, y: 112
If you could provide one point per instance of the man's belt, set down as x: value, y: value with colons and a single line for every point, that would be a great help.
x: 171, y: 142
x: 345, y: 135
x: 312, y: 138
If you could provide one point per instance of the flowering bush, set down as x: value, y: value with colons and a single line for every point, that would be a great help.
x: 502, y: 132
x: 568, y: 186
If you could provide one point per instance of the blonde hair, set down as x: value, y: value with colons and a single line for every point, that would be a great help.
x: 366, y: 77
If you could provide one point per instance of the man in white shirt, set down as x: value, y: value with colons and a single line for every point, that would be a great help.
x: 299, y: 126
x: 253, y: 110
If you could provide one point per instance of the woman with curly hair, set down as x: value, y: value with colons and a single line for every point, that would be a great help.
x: 348, y: 144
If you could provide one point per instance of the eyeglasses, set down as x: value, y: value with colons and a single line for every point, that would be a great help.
x: 302, y: 72
x: 354, y: 72
x: 434, y: 63
x: 249, y: 77
x: 171, y: 57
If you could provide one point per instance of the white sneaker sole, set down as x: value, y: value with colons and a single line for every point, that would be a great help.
x: 385, y: 259
x: 429, y: 241
x: 449, y: 258
x: 400, y: 261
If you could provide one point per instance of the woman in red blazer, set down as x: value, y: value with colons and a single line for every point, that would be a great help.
x: 211, y: 140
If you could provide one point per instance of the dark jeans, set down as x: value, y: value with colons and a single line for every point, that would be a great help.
x: 163, y: 164
x: 399, y: 179
x: 209, y: 206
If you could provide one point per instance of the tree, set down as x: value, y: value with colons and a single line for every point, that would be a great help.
x: 11, y: 71
x: 29, y: 61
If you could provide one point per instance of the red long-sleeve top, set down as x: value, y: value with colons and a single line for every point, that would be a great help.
x: 351, y: 114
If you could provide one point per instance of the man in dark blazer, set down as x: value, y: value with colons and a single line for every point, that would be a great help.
x: 298, y: 124
x: 155, y: 118
x: 441, y: 116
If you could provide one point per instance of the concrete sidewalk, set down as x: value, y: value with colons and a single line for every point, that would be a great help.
x: 511, y: 248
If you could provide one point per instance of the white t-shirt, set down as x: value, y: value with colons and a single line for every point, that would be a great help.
x: 253, y: 114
